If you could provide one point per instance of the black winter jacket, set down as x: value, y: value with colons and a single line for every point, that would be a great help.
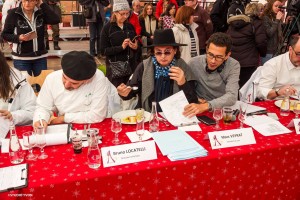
x: 17, y: 24
x: 249, y: 41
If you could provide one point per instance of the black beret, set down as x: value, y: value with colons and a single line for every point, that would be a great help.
x: 78, y: 65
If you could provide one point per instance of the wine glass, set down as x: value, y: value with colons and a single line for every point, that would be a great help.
x: 29, y: 141
x: 116, y: 127
x: 242, y: 115
x: 297, y: 109
x: 140, y: 128
x: 41, y: 141
x: 217, y: 115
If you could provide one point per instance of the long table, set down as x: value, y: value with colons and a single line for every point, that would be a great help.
x: 268, y: 169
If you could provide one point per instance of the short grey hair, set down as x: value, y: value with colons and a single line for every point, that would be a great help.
x: 135, y: 1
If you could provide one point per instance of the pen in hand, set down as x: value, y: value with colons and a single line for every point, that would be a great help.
x: 41, y: 121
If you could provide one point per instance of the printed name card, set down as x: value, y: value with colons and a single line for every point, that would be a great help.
x: 231, y: 138
x: 128, y: 153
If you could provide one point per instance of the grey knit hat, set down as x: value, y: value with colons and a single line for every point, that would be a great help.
x: 120, y: 5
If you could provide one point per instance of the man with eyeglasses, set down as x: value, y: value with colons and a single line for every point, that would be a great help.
x: 281, y: 73
x: 202, y: 19
x: 217, y: 76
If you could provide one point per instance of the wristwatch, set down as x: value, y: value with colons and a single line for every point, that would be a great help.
x: 276, y: 91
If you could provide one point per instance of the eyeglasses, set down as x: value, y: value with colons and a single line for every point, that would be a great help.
x: 297, y: 53
x: 212, y: 56
x: 124, y: 14
x: 166, y: 53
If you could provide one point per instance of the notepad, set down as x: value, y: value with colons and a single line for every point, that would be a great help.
x: 13, y: 177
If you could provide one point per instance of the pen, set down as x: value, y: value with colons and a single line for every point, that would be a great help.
x: 41, y: 121
x: 257, y: 112
x: 188, y: 124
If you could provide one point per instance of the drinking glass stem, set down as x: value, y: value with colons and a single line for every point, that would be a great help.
x: 42, y: 150
x: 217, y: 124
x: 116, y: 136
x: 140, y: 138
x: 241, y: 124
x: 30, y: 151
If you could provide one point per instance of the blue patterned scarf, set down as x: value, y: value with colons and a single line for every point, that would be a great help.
x: 162, y: 71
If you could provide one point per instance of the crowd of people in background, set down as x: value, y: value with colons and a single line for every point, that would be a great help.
x: 209, y: 53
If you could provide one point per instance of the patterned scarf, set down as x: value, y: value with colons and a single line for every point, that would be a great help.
x: 162, y: 71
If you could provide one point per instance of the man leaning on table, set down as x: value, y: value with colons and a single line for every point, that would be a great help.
x: 217, y: 76
x: 281, y: 72
x: 77, y: 93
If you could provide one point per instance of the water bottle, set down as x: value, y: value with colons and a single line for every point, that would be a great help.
x: 93, y: 155
x: 15, y: 152
x: 154, y: 122
x: 285, y: 104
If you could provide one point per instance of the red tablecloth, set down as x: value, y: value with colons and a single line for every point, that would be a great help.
x: 266, y: 170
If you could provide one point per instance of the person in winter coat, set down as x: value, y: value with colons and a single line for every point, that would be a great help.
x: 25, y: 28
x: 116, y: 41
x: 249, y: 41
x: 185, y: 33
x: 17, y: 98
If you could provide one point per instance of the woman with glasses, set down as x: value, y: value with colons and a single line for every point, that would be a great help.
x: 272, y: 19
x: 17, y: 99
x: 185, y: 32
x: 117, y: 42
x: 24, y: 28
x: 161, y: 75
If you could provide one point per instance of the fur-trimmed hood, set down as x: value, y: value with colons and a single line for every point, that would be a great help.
x: 238, y: 21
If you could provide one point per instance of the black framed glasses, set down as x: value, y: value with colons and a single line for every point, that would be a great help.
x: 212, y: 56
x: 297, y: 53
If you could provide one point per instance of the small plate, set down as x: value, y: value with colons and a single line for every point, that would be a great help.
x: 129, y: 113
x: 292, y: 102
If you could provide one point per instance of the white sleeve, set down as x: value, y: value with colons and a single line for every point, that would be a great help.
x: 267, y: 80
x: 44, y: 103
x: 25, y: 101
x: 98, y: 106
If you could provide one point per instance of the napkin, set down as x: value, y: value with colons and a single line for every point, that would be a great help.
x: 133, y: 137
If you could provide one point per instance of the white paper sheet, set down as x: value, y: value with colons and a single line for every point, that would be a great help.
x: 13, y: 177
x: 297, y: 125
x: 133, y: 137
x: 271, y: 128
x: 173, y: 108
x: 56, y: 134
x: 194, y: 127
x: 258, y: 119
x: 4, y: 127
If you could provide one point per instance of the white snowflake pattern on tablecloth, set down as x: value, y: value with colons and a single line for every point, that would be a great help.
x: 76, y: 193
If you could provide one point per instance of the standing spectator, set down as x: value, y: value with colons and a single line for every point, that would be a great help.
x: 162, y: 5
x: 185, y: 33
x: 218, y: 15
x: 96, y: 24
x: 168, y: 17
x: 272, y: 18
x: 136, y: 7
x: 54, y: 5
x: 116, y: 42
x: 202, y: 19
x: 249, y: 41
x: 28, y: 51
x: 148, y: 23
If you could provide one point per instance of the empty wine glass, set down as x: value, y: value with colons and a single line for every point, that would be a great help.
x: 41, y: 141
x: 140, y: 128
x: 242, y: 115
x: 217, y: 115
x: 297, y: 109
x: 29, y: 141
x: 116, y: 127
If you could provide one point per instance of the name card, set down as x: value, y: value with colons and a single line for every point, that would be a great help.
x: 128, y: 153
x: 231, y: 138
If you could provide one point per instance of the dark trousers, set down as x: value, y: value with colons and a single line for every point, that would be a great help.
x: 245, y: 74
x: 95, y: 31
x: 31, y: 66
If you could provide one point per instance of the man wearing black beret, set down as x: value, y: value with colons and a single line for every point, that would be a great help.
x: 77, y: 93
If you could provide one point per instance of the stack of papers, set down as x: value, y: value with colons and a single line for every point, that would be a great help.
x: 266, y: 125
x: 178, y: 145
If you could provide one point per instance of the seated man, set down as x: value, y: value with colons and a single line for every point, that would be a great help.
x: 281, y: 73
x: 77, y: 93
x: 217, y: 76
